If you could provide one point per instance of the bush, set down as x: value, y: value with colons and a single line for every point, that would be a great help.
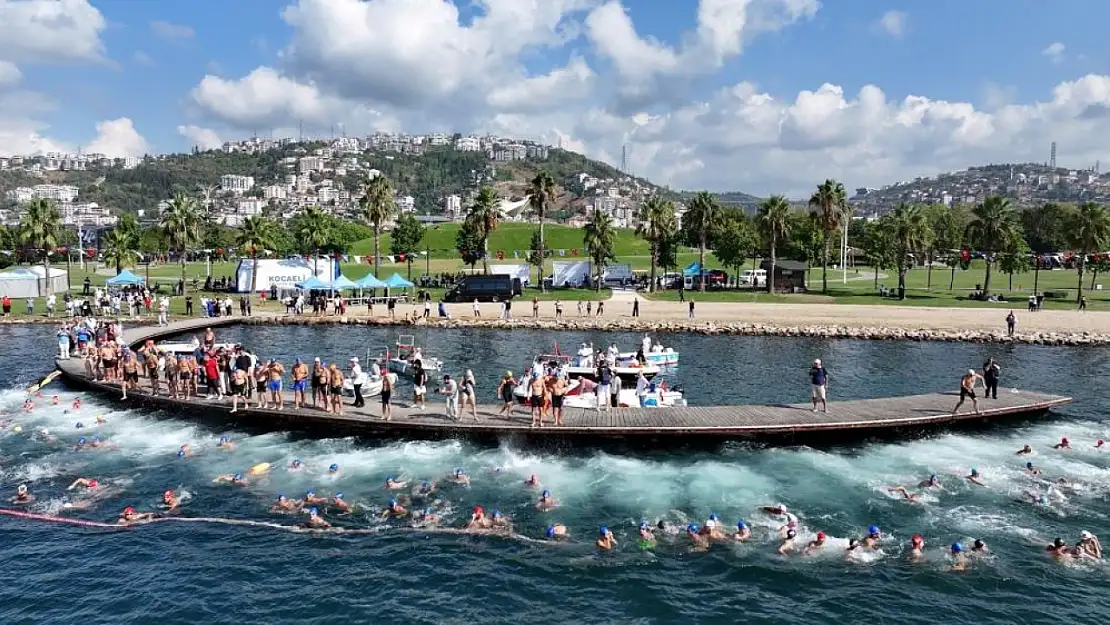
x: 1056, y: 295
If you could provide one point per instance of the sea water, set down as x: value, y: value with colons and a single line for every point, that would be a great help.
x: 177, y: 572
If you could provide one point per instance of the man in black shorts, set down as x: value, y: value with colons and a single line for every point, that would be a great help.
x: 991, y: 373
x: 967, y: 390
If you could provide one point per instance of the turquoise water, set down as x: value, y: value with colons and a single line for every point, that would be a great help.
x: 177, y: 572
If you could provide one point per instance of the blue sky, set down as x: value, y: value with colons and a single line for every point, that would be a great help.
x: 993, y: 59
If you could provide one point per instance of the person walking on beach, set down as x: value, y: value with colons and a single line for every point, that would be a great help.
x: 476, y: 309
x: 635, y: 306
x: 1082, y: 302
x: 967, y: 390
x: 558, y: 309
x: 509, y: 308
x: 580, y: 308
x: 819, y: 385
x: 450, y: 391
x: 991, y: 373
x: 1011, y: 323
x: 691, y: 313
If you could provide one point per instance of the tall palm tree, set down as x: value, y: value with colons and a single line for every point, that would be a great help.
x: 599, y: 239
x: 701, y: 218
x: 120, y: 248
x: 828, y: 204
x: 541, y: 195
x: 656, y: 225
x: 774, y: 221
x: 1089, y: 232
x: 256, y: 236
x: 378, y: 207
x: 993, y: 222
x: 313, y: 232
x: 485, y: 214
x: 41, y: 227
x: 908, y: 228
x: 181, y: 224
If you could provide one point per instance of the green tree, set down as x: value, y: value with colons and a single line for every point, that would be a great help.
x: 908, y: 231
x: 255, y: 237
x: 828, y: 204
x: 119, y: 248
x: 656, y: 225
x: 1089, y: 231
x: 774, y: 224
x: 806, y: 240
x: 486, y: 214
x: 541, y: 195
x: 378, y: 207
x: 468, y: 242
x: 406, y: 237
x: 1099, y: 264
x: 1015, y: 258
x: 879, y: 248
x: 946, y: 228
x: 701, y: 218
x: 1045, y: 227
x: 535, y: 255
x: 734, y: 241
x: 993, y: 222
x: 599, y: 240
x: 312, y: 231
x: 181, y: 223
x: 41, y: 228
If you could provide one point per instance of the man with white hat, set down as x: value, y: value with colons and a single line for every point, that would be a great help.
x: 1089, y: 545
x: 819, y: 381
x: 357, y: 380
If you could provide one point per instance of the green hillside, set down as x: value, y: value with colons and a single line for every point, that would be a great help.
x: 508, y: 237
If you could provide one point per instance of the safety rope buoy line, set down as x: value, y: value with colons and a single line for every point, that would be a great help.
x: 58, y: 519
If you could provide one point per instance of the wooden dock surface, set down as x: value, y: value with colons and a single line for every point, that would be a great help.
x: 857, y: 418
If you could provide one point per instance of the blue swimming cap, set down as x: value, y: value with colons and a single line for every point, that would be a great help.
x: 392, y: 503
x: 1028, y: 465
x: 309, y: 493
x: 296, y: 462
x: 693, y: 527
x: 427, y: 511
x: 974, y: 471
x: 339, y: 495
x: 224, y: 439
x: 546, y: 493
x: 280, y: 497
x: 1043, y: 500
x: 180, y: 453
x: 712, y: 516
x: 81, y: 441
x: 957, y: 548
x: 459, y: 471
x: 874, y: 529
x: 389, y: 478
x: 425, y: 484
x: 740, y: 525
x: 644, y: 525
x: 550, y: 531
x: 333, y: 468
x: 313, y: 511
x: 603, y: 530
x: 933, y: 477
x: 79, y: 425
x: 96, y: 439
x: 238, y: 476
x: 496, y: 513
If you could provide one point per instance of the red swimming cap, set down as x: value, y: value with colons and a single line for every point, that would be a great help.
x: 129, y: 510
x: 1064, y: 439
x: 917, y: 539
x: 478, y: 510
x: 820, y: 535
x: 93, y: 483
x: 168, y: 493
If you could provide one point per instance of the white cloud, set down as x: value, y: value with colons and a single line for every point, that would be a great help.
x: 167, y: 30
x: 142, y: 59
x: 117, y: 138
x: 204, y: 138
x: 1054, y: 51
x: 892, y: 23
x: 9, y: 74
x: 47, y: 31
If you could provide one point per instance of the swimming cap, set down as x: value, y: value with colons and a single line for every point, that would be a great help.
x: 873, y: 530
x: 478, y: 510
x: 333, y: 468
x: 389, y: 478
x: 427, y: 512
x: 129, y: 510
x: 280, y: 497
x: 933, y: 477
x: 740, y: 525
x: 93, y: 483
x: 1064, y: 440
x: 820, y: 535
x: 979, y: 544
x: 1086, y: 535
x: 693, y: 528
x: 339, y: 495
x: 974, y: 471
x: 496, y: 513
x: 459, y: 471
x: 180, y: 453
x: 550, y: 531
x: 1043, y: 500
x: 237, y: 476
x: 644, y: 525
x: 917, y: 540
x: 1059, y: 542
x: 96, y: 439
x: 22, y: 488
x: 546, y: 493
x: 79, y: 425
x: 1028, y: 465
x: 313, y: 511
x: 957, y: 548
x: 168, y: 493
x: 791, y: 533
x: 712, y: 516
x: 425, y: 484
x: 296, y: 462
x: 81, y: 441
x: 309, y: 494
x: 604, y: 530
x: 392, y: 503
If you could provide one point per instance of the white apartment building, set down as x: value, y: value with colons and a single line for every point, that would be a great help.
x: 468, y: 144
x: 86, y: 214
x: 310, y: 163
x: 236, y: 184
x: 131, y: 162
x: 274, y: 192
x: 438, y: 138
x: 56, y: 192
x: 249, y: 206
x: 328, y: 194
x: 406, y: 204
x: 372, y: 173
x: 452, y: 206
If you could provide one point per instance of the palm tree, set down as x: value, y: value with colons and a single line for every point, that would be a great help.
x: 599, y: 240
x: 908, y: 228
x: 378, y: 207
x: 119, y: 248
x: 774, y: 220
x: 541, y: 195
x: 1089, y: 232
x: 41, y: 227
x: 485, y: 214
x: 701, y: 218
x: 313, y: 232
x: 256, y: 235
x: 181, y: 224
x: 656, y: 225
x: 992, y: 225
x: 828, y: 205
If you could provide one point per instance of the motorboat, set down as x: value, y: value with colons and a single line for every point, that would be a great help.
x: 626, y: 367
x: 582, y: 387
x: 371, y: 387
x: 654, y: 354
x: 401, y: 361
x: 187, y: 349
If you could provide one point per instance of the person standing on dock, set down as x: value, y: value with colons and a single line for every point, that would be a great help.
x: 450, y: 391
x: 967, y: 390
x: 358, y: 378
x: 389, y: 379
x: 277, y: 397
x: 819, y: 384
x: 991, y: 373
x: 300, y: 382
x: 1011, y: 323
x: 604, y: 380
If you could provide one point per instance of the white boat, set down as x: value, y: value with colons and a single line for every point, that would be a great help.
x: 408, y: 353
x: 371, y: 387
x: 654, y: 354
x: 582, y: 387
x: 187, y: 349
x: 627, y: 368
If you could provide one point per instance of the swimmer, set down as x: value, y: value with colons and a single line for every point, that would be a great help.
x: 777, y: 509
x: 392, y: 484
x: 28, y: 405
x: 296, y: 465
x: 533, y: 481
x: 425, y: 489
x: 1058, y: 549
x: 90, y: 484
x: 815, y: 544
x: 310, y: 498
x: 461, y: 477
x: 79, y: 425
x: 394, y: 509
x: 556, y: 531
x: 1025, y: 451
x: 54, y: 400
x: 77, y: 404
x: 425, y: 517
x: 184, y: 451
x: 498, y: 520
x: 96, y: 443
x: 907, y: 495
x: 82, y: 444
x: 333, y: 469
x: 338, y: 501
x: 1063, y: 444
x: 285, y: 504
x: 546, y: 502
x: 129, y: 515
x: 315, y: 521
x: 959, y: 559
x: 1031, y: 470
x: 743, y: 532
x: 647, y: 537
x: 605, y: 540
x: 791, y: 524
x: 975, y: 478
x: 979, y: 548
x: 872, y: 538
x: 1099, y: 444
x: 932, y: 482
x: 712, y: 528
x: 100, y: 420
x: 1089, y: 545
x: 851, y: 551
x: 170, y: 500
x: 478, y: 519
x: 225, y: 443
x: 237, y: 479
x: 787, y: 546
x: 23, y: 496
x: 917, y: 548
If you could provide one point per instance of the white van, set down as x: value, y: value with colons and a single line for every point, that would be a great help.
x: 754, y: 278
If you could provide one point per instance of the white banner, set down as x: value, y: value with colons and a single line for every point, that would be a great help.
x: 570, y: 273
x: 513, y: 271
x: 282, y: 273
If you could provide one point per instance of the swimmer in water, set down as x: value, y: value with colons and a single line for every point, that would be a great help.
x: 129, y: 516
x: 700, y: 540
x: 425, y: 517
x: 647, y: 537
x: 100, y: 420
x: 90, y: 484
x: 873, y: 537
x: 311, y: 499
x: 225, y: 443
x: 787, y: 546
x: 426, y: 489
x: 82, y: 444
x: 77, y: 404
x: 975, y: 478
x: 340, y: 503
x: 979, y: 548
x: 54, y: 401
x: 777, y: 509
x: 170, y: 500
x: 1058, y: 549
x: 23, y: 496
x: 394, y: 509
x: 853, y: 549
x: 333, y: 469
x: 743, y: 532
x: 392, y: 484
x: 931, y: 482
x: 237, y: 479
x: 296, y: 465
x: 533, y: 481
x: 546, y: 502
x: 184, y: 451
x: 97, y: 443
x: 28, y: 405
x: 498, y: 520
x: 605, y: 539
x: 1063, y: 444
x: 315, y: 521
x: 791, y: 524
x: 815, y: 544
x: 907, y: 495
x: 959, y: 559
x: 1031, y: 470
x: 556, y: 531
x: 461, y: 477
x: 285, y: 504
x: 1025, y: 451
x: 1089, y: 545
x: 478, y: 519
x: 712, y: 528
x: 917, y: 548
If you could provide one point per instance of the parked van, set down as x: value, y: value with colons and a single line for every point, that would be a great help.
x: 754, y: 278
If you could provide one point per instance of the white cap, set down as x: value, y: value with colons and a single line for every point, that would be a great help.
x: 316, y: 359
x: 971, y: 371
x: 817, y: 362
x: 354, y: 359
x: 1085, y: 535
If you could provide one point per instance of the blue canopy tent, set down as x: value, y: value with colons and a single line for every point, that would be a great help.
x: 397, y: 282
x: 692, y: 269
x: 313, y: 284
x: 342, y: 282
x: 125, y: 278
x: 370, y: 282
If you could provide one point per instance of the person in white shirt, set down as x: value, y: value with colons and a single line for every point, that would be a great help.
x: 51, y: 302
x: 477, y: 311
x: 450, y: 391
x: 358, y: 378
x: 163, y: 310
x: 642, y: 387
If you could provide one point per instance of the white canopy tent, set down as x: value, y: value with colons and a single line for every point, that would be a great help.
x: 31, y: 281
x: 283, y: 273
x: 570, y: 273
x: 513, y: 271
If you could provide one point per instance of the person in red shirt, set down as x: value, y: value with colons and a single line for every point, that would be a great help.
x: 212, y: 375
x: 6, y: 302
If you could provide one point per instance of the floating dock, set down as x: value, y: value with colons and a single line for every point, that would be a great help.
x: 780, y: 423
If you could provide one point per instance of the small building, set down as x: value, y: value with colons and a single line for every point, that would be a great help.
x: 790, y: 275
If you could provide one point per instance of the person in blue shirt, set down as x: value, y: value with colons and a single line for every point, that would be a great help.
x: 819, y: 379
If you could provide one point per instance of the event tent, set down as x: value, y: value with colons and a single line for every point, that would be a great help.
x: 342, y: 282
x: 370, y: 282
x: 125, y: 278
x: 397, y: 282
x: 692, y: 269
x: 313, y: 284
x: 30, y: 282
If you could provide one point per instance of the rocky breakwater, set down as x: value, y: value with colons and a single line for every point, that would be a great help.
x: 628, y: 324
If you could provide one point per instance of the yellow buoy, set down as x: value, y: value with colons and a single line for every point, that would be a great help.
x: 17, y: 428
x: 259, y: 468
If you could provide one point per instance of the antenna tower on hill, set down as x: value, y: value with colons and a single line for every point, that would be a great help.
x: 624, y: 159
x: 1052, y: 157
